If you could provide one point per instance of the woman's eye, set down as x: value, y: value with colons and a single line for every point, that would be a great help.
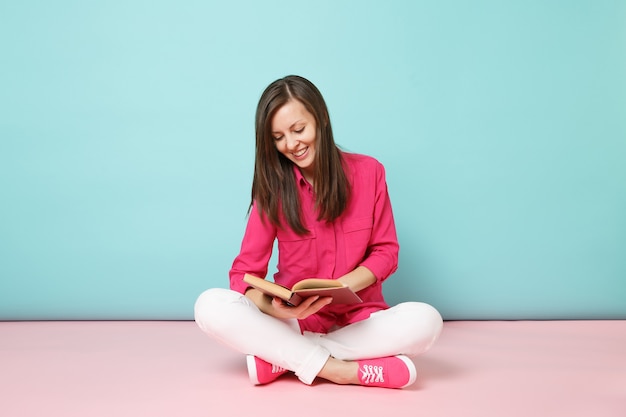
x: 277, y: 138
x: 300, y: 130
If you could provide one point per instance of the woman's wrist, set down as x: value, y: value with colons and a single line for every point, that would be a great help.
x: 358, y: 279
x: 262, y: 301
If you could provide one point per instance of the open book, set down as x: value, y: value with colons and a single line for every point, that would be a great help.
x: 342, y: 294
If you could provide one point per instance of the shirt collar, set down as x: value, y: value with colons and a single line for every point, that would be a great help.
x: 300, y: 180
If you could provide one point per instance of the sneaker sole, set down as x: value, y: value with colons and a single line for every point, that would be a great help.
x: 251, y: 362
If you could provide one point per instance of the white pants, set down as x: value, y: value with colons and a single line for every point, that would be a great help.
x: 233, y: 319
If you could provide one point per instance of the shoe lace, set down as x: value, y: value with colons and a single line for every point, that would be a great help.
x: 277, y: 369
x: 372, y: 373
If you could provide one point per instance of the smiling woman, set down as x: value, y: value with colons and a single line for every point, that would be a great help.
x: 330, y: 212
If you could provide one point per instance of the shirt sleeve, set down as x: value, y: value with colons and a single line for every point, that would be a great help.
x: 382, y: 254
x: 256, y: 250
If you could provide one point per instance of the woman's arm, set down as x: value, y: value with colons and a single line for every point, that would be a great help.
x: 358, y: 279
x: 255, y: 252
x: 382, y: 252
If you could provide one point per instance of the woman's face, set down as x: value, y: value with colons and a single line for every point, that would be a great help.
x: 294, y: 131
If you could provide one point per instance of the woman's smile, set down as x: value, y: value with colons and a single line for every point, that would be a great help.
x: 300, y: 153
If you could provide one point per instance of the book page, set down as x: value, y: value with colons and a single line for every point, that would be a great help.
x: 317, y: 283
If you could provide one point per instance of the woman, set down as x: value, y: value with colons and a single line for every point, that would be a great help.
x: 331, y: 214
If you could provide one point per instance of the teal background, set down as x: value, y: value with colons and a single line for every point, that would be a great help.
x: 127, y: 136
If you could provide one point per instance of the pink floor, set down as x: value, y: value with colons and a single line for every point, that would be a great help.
x: 503, y: 369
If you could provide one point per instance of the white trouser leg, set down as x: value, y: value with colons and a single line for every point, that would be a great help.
x: 408, y: 328
x: 235, y: 320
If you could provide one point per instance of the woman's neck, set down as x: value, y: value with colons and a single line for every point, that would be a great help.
x: 308, y: 175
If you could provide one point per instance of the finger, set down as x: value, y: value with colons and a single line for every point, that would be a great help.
x: 280, y: 304
x: 308, y: 302
x: 315, y: 307
x: 324, y: 301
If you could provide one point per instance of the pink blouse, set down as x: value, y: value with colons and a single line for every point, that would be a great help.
x: 364, y: 234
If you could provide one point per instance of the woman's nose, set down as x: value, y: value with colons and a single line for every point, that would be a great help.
x: 292, y: 142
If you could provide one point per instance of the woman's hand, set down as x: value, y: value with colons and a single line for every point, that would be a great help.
x: 277, y: 308
x: 308, y: 306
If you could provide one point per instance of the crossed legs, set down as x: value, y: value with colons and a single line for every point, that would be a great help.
x: 231, y: 318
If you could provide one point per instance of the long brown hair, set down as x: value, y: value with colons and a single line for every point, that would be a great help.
x: 274, y: 181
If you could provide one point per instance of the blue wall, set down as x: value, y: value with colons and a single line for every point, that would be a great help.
x: 126, y: 147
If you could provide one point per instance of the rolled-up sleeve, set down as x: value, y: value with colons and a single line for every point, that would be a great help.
x: 382, y: 253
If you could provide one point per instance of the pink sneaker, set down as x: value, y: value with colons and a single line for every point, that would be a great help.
x: 262, y: 372
x: 390, y: 372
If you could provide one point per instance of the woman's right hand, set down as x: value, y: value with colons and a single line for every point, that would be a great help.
x: 308, y: 306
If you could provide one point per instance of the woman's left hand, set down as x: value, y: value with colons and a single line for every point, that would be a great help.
x: 309, y: 306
